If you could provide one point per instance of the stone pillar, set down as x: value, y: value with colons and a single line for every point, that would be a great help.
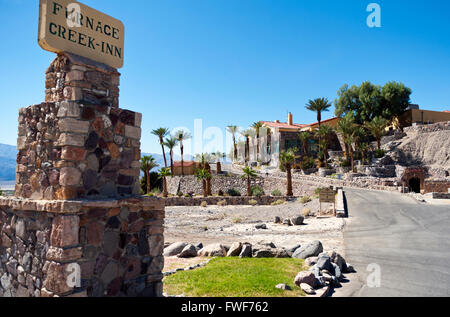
x: 76, y: 226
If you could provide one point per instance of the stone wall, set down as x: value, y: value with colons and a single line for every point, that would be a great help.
x: 232, y: 201
x: 116, y: 244
x: 431, y: 186
x: 73, y: 150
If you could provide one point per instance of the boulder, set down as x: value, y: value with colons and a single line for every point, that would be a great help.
x: 265, y: 253
x: 309, y: 250
x: 349, y: 269
x: 297, y: 221
x: 311, y: 261
x: 246, y: 251
x: 277, y: 220
x: 261, y: 226
x: 324, y: 262
x: 189, y: 251
x: 235, y: 249
x: 307, y: 289
x: 316, y: 271
x: 174, y: 248
x: 213, y: 250
x: 305, y: 277
x: 283, y: 287
x: 198, y: 246
x: 337, y: 272
x: 337, y: 259
x: 292, y: 247
x: 287, y: 222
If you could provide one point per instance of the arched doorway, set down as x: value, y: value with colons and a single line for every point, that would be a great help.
x: 414, y: 185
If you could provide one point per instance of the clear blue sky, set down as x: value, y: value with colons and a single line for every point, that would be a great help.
x: 240, y: 61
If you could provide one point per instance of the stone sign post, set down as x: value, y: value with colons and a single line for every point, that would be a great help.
x: 77, y: 225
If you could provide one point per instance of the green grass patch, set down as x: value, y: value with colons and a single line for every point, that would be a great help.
x: 236, y: 277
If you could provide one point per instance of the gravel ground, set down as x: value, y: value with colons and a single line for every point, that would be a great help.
x: 228, y: 224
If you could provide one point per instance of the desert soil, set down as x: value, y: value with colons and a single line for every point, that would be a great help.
x: 228, y: 224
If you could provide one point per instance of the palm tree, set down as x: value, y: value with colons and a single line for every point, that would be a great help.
x: 205, y: 159
x: 147, y: 164
x: 318, y: 105
x: 257, y: 126
x: 304, y: 137
x: 246, y: 134
x: 377, y: 128
x: 249, y: 173
x: 363, y: 147
x: 234, y: 130
x: 171, y: 143
x: 218, y: 156
x: 286, y: 160
x: 349, y: 140
x: 163, y: 173
x: 324, y: 131
x: 161, y: 133
x: 345, y: 127
x: 182, y: 136
x: 203, y: 175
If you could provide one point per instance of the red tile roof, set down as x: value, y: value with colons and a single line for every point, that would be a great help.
x: 283, y: 125
x: 324, y: 121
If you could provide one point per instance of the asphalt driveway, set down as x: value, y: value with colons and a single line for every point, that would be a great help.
x: 409, y: 241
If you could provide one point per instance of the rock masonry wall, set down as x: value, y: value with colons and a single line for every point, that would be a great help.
x: 76, y: 226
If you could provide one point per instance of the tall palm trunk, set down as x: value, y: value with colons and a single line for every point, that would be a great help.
x: 247, y: 149
x: 171, y: 161
x: 235, y: 153
x: 257, y: 147
x: 182, y: 161
x: 205, y: 191
x: 219, y: 168
x: 161, y: 141
x: 165, y: 193
x: 249, y: 188
x: 208, y: 181
x: 289, y: 181
x: 147, y: 173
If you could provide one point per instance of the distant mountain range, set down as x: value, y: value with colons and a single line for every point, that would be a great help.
x: 8, y: 156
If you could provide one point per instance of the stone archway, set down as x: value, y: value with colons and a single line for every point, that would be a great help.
x: 414, y: 185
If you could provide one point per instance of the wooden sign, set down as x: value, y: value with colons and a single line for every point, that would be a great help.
x: 69, y: 26
x: 327, y: 195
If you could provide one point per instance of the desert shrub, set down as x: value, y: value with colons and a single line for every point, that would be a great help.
x: 318, y: 190
x: 180, y: 193
x: 307, y: 163
x: 233, y: 192
x: 277, y: 193
x: 257, y: 191
x: 345, y: 163
x: 222, y: 203
x: 380, y: 153
x: 204, y: 204
x: 237, y: 220
x: 252, y: 202
x: 305, y: 199
x: 155, y: 191
x: 187, y: 195
x: 306, y: 212
x: 278, y: 202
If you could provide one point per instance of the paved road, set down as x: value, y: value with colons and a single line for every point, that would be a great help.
x: 410, y: 241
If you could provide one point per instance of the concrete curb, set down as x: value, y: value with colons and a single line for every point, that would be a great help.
x: 340, y: 204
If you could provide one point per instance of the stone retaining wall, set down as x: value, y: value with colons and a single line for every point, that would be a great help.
x: 436, y: 186
x: 115, y: 246
x: 242, y: 200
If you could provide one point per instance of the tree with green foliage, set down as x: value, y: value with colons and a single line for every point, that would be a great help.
x: 147, y: 164
x: 171, y: 143
x: 346, y: 126
x: 287, y: 159
x: 163, y: 173
x: 182, y: 136
x: 377, y: 127
x: 203, y: 175
x: 304, y: 138
x: 368, y: 101
x: 249, y: 173
x: 161, y: 133
x: 318, y: 105
x: 323, y: 132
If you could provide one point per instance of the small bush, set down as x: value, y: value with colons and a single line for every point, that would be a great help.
x: 187, y: 195
x: 305, y: 199
x: 204, y: 204
x: 277, y: 193
x: 222, y: 203
x: 278, y: 202
x: 233, y: 192
x: 237, y: 220
x: 180, y: 193
x: 306, y: 212
x: 345, y: 163
x: 252, y: 202
x: 380, y: 153
x: 155, y: 191
x: 318, y: 190
x: 257, y: 191
x: 307, y: 163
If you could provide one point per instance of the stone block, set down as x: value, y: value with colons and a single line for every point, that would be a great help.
x: 73, y: 125
x: 65, y: 230
x: 68, y: 109
x: 132, y: 132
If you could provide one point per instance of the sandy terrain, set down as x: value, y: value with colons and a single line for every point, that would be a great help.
x: 228, y: 224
